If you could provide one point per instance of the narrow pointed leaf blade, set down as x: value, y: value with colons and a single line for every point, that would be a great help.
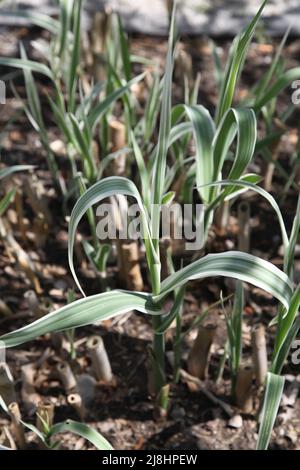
x: 82, y: 430
x: 4, y: 172
x: 28, y: 65
x: 273, y: 393
x: 37, y: 19
x: 235, y: 64
x: 165, y: 122
x: 247, y: 184
x: 279, y: 85
x: 238, y: 265
x: 204, y: 131
x: 102, y: 189
x: 99, y: 109
x: 82, y: 312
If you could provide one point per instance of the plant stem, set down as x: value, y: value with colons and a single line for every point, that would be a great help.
x: 177, y: 347
x: 158, y: 345
x: 159, y: 355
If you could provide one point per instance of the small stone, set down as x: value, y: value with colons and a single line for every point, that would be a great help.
x: 235, y: 422
x: 57, y: 293
x: 58, y: 146
x: 178, y: 413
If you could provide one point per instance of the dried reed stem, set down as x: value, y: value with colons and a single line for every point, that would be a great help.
x: 100, y: 361
x: 15, y: 415
x: 198, y: 359
x: 259, y: 353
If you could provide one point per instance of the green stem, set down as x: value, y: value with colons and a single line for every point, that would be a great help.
x: 177, y: 348
x: 159, y: 355
x: 158, y: 345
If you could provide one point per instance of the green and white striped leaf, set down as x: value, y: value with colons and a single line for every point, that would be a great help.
x: 82, y: 146
x: 283, y: 353
x: 204, y: 131
x: 75, y: 54
x: 168, y: 320
x: 32, y: 95
x: 286, y: 332
x: 37, y: 19
x: 238, y: 265
x: 82, y: 312
x: 152, y: 108
x: 290, y: 251
x: 99, y: 109
x: 65, y: 16
x: 234, y: 66
x: 273, y: 393
x: 280, y: 84
x: 82, y: 430
x: 144, y: 176
x: 240, y: 122
x: 160, y: 162
x: 263, y: 193
x: 28, y: 65
x: 264, y: 83
x: 4, y: 172
x: 102, y: 189
x: 212, y: 146
x: 180, y: 130
x: 236, y: 191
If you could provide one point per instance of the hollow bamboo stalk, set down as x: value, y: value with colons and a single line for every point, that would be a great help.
x: 118, y: 141
x: 41, y: 229
x: 7, y: 388
x: 99, y: 30
x: 67, y: 377
x: 259, y: 353
x: 74, y: 400
x: 15, y: 415
x: 100, y: 361
x: 130, y: 271
x: 99, y: 33
x: 198, y: 359
x: 45, y: 412
x: 28, y: 393
x: 244, y: 227
x: 222, y: 218
x: 243, y: 392
x: 184, y: 68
